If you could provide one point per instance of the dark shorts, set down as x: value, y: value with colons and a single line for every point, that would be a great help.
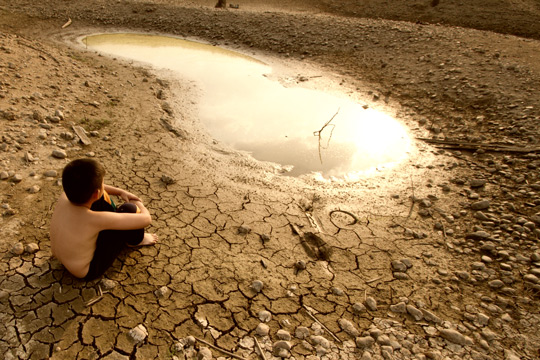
x: 110, y: 243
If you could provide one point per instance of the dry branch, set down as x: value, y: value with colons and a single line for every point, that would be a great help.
x: 220, y: 349
x: 318, y: 134
x: 320, y: 323
x: 260, y: 348
x: 67, y: 23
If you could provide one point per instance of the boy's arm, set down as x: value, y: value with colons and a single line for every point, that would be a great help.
x: 125, y: 195
x: 106, y: 220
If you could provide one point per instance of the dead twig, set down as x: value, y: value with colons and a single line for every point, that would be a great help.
x: 260, y: 348
x: 67, y: 23
x: 373, y: 280
x: 412, y: 200
x: 318, y: 134
x: 320, y: 323
x: 220, y: 349
x: 94, y: 300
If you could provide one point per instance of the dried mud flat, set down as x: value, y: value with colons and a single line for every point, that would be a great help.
x: 438, y: 259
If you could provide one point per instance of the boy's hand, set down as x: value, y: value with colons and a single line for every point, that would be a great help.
x: 127, y: 196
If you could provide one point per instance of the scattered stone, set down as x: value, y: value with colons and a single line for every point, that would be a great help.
x: 480, y: 205
x: 204, y: 353
x: 17, y: 178
x: 320, y: 340
x: 337, y: 291
x: 34, y: 189
x: 283, y: 335
x: 300, y: 265
x: 17, y: 249
x: 31, y: 248
x: 163, y: 292
x: 265, y: 316
x: 51, y: 173
x: 414, y: 312
x: 108, y: 284
x: 365, y: 342
x: 302, y: 332
x: 59, y: 154
x: 257, y: 286
x: 244, y: 230
x: 262, y: 329
x: 476, y: 183
x: 167, y: 180
x: 371, y: 303
x: 455, y: 337
x: 138, y: 333
x: 348, y: 327
x: 399, y: 308
x: 281, y: 348
x: 359, y: 308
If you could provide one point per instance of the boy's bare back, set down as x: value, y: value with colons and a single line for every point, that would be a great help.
x: 73, y: 236
x: 75, y: 228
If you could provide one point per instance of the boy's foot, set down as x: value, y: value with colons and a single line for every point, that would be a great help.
x: 148, y: 239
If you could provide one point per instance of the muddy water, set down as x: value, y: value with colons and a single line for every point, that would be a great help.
x: 309, y: 130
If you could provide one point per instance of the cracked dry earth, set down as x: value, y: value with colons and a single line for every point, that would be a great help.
x: 247, y: 258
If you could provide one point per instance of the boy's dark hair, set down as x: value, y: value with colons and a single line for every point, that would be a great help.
x: 81, y: 178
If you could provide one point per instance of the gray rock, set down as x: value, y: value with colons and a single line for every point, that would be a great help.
x: 429, y: 316
x: 364, y: 342
x: 59, y: 154
x: 283, y: 335
x: 359, y: 308
x: 17, y: 178
x: 204, y: 354
x: 51, y: 173
x: 455, y: 337
x: 476, y: 183
x: 496, y: 284
x: 108, y: 284
x: 398, y: 266
x: 348, y: 327
x: 415, y: 313
x: 302, y: 332
x: 262, y: 329
x: 163, y: 292
x: 480, y: 205
x: 399, y: 308
x: 265, y: 316
x: 17, y: 248
x: 320, y: 340
x: 257, y: 286
x: 31, y: 248
x: 531, y: 278
x: 371, y: 303
x: 138, y: 333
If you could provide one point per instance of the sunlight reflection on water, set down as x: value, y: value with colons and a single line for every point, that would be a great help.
x: 242, y: 107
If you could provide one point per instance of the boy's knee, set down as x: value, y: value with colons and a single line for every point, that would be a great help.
x: 128, y: 208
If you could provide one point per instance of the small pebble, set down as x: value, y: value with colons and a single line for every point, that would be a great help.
x: 17, y: 249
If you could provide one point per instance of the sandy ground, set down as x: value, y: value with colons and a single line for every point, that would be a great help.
x: 436, y: 259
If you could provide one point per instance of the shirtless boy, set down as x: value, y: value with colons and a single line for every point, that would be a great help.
x: 87, y: 231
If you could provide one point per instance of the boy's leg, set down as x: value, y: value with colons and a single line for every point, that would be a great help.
x: 108, y: 247
x: 131, y: 237
x: 110, y: 243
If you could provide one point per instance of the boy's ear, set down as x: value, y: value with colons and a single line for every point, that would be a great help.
x: 95, y: 195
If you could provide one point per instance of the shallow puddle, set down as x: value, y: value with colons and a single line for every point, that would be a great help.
x: 311, y: 130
